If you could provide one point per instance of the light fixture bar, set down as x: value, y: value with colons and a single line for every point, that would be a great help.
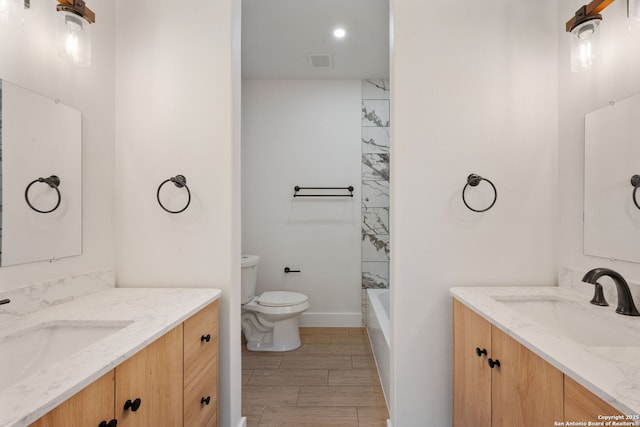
x: 593, y: 8
x: 80, y: 7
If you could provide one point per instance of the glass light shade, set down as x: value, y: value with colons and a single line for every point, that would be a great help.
x: 74, y: 38
x: 9, y: 10
x: 585, y: 49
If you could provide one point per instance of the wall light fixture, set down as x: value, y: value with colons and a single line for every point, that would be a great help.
x: 74, y: 31
x: 584, y: 27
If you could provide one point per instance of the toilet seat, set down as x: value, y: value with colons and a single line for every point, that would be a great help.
x: 255, y: 305
x: 281, y: 299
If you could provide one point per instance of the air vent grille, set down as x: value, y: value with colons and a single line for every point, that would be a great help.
x: 320, y: 60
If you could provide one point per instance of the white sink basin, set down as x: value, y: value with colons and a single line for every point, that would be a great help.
x: 31, y: 350
x: 575, y: 322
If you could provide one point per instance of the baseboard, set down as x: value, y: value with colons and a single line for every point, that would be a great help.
x: 345, y: 320
x: 243, y: 422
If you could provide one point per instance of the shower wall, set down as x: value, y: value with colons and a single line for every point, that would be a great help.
x: 375, y: 187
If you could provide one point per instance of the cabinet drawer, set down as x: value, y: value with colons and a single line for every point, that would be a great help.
x: 204, y: 385
x: 198, y: 351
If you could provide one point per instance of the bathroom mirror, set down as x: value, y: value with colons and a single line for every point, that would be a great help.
x: 40, y: 177
x: 612, y: 158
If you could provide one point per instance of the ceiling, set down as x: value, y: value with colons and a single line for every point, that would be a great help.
x: 278, y: 35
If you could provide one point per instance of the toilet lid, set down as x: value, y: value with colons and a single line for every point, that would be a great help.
x: 281, y: 299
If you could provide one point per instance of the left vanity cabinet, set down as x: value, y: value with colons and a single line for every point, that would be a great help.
x: 90, y: 407
x: 147, y: 389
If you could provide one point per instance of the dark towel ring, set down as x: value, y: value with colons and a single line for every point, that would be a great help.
x: 473, y: 180
x: 635, y: 181
x: 53, y: 181
x: 179, y: 181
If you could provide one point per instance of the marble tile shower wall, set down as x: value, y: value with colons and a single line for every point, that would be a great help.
x: 375, y: 186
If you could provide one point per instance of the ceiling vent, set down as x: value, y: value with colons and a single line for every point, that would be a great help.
x: 320, y: 60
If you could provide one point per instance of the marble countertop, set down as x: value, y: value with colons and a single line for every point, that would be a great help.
x: 610, y: 372
x: 148, y: 313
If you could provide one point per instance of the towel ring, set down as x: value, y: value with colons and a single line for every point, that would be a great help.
x: 635, y: 182
x: 179, y: 181
x: 53, y: 181
x: 473, y: 180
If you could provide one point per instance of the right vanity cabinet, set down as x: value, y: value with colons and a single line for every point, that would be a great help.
x: 497, y: 381
x: 582, y: 405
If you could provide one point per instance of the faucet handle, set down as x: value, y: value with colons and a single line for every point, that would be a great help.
x: 598, y: 296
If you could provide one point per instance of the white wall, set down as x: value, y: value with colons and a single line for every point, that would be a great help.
x: 178, y: 87
x: 579, y: 93
x: 305, y: 133
x: 473, y: 92
x: 28, y: 58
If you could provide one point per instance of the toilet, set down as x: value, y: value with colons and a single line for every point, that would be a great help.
x: 269, y: 321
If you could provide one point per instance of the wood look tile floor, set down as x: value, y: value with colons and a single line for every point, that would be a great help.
x: 330, y: 381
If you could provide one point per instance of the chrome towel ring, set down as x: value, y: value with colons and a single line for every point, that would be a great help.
x: 635, y: 182
x: 179, y: 181
x: 54, y: 182
x: 472, y: 181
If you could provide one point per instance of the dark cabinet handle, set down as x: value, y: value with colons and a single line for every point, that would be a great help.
x: 481, y: 352
x: 206, y: 338
x: 134, y: 406
x: 112, y: 423
x: 205, y: 400
x: 493, y: 363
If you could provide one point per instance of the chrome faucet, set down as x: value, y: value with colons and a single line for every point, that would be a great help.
x: 5, y: 301
x: 625, y: 300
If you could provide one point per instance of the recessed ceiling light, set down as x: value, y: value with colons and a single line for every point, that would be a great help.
x: 339, y: 33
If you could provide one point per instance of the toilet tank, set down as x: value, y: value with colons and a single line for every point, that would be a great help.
x: 249, y: 276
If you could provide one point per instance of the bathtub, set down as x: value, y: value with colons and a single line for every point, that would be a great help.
x: 378, y: 329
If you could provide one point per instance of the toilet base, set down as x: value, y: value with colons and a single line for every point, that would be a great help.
x: 263, y: 335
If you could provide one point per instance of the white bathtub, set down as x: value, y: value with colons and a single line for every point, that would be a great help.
x: 378, y: 329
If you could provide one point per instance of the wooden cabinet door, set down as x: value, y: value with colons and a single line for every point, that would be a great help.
x: 582, y: 405
x: 471, y: 373
x: 201, y: 368
x: 526, y: 390
x: 89, y: 407
x: 154, y: 375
